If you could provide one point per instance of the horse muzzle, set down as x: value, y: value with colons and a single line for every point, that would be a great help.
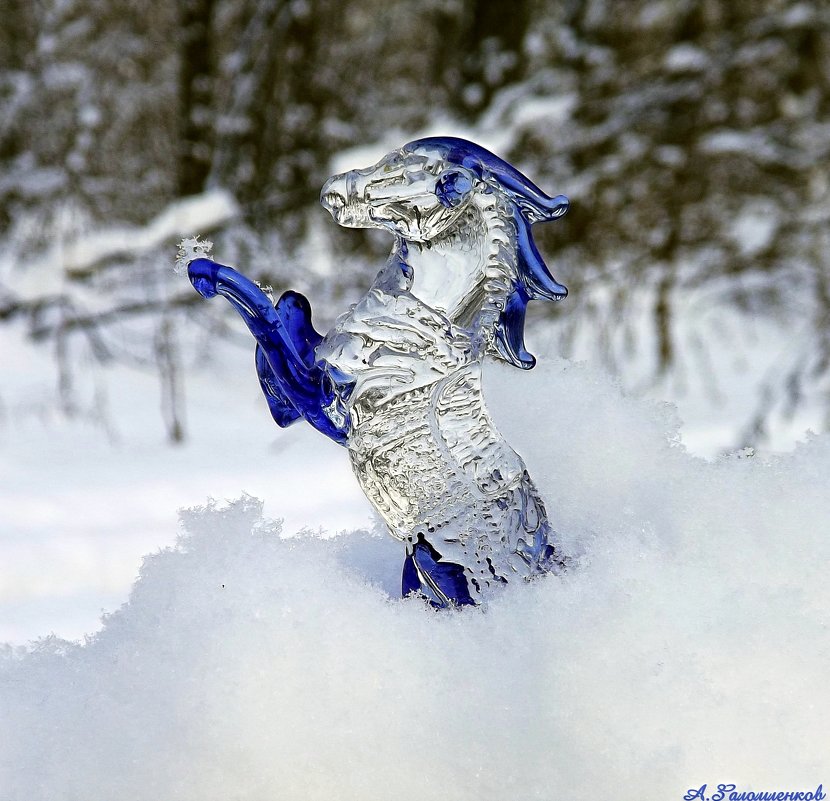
x: 342, y: 195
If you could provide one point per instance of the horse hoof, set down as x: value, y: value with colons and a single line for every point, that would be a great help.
x: 203, y: 275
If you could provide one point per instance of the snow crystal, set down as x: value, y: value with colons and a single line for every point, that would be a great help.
x: 688, y: 643
x: 207, y: 211
x: 189, y: 249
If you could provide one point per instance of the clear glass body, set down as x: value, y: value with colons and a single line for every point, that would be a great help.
x: 397, y: 380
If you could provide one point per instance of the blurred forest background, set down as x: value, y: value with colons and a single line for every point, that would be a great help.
x: 692, y: 136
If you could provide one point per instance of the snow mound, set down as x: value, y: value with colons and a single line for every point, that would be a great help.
x: 688, y: 644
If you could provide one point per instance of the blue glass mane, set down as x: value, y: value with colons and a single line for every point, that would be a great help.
x: 530, y: 205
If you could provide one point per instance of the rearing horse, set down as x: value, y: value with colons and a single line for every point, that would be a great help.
x: 397, y: 380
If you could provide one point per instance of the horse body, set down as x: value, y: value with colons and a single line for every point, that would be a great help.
x: 422, y: 444
x: 398, y: 378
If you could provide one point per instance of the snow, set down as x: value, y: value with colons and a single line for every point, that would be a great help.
x: 798, y: 16
x: 191, y: 248
x: 83, y: 499
x: 755, y: 226
x: 728, y: 141
x: 205, y: 211
x: 688, y: 642
x: 686, y: 58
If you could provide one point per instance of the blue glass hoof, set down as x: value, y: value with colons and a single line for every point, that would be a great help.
x: 397, y: 379
x: 203, y: 274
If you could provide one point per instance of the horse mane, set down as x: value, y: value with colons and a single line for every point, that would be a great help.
x: 529, y: 205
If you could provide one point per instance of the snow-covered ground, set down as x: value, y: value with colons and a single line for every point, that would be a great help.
x: 79, y: 509
x: 687, y: 644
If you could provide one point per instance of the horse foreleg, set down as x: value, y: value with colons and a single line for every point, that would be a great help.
x: 293, y: 382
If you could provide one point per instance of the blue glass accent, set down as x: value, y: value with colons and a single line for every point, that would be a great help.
x: 294, y: 384
x: 443, y: 583
x: 510, y: 330
x: 536, y: 205
x: 410, y: 583
x: 532, y: 206
x: 452, y: 187
x: 282, y: 410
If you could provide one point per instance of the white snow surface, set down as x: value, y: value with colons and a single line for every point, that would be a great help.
x: 207, y: 211
x: 687, y: 643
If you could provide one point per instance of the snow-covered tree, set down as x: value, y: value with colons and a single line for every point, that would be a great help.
x: 692, y: 137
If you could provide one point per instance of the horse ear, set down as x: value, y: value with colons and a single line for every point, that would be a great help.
x: 453, y: 187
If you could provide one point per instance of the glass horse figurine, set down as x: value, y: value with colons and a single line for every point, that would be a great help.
x: 397, y: 380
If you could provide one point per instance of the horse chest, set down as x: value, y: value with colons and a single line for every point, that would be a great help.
x: 393, y: 343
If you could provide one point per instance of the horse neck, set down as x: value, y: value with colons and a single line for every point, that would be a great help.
x: 468, y: 273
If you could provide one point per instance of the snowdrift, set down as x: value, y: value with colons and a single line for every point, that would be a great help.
x: 688, y: 644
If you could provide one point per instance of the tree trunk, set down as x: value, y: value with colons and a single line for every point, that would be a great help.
x: 491, y: 48
x: 195, y: 96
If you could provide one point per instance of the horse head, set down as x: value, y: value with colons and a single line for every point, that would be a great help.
x: 413, y: 192
x: 421, y: 189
